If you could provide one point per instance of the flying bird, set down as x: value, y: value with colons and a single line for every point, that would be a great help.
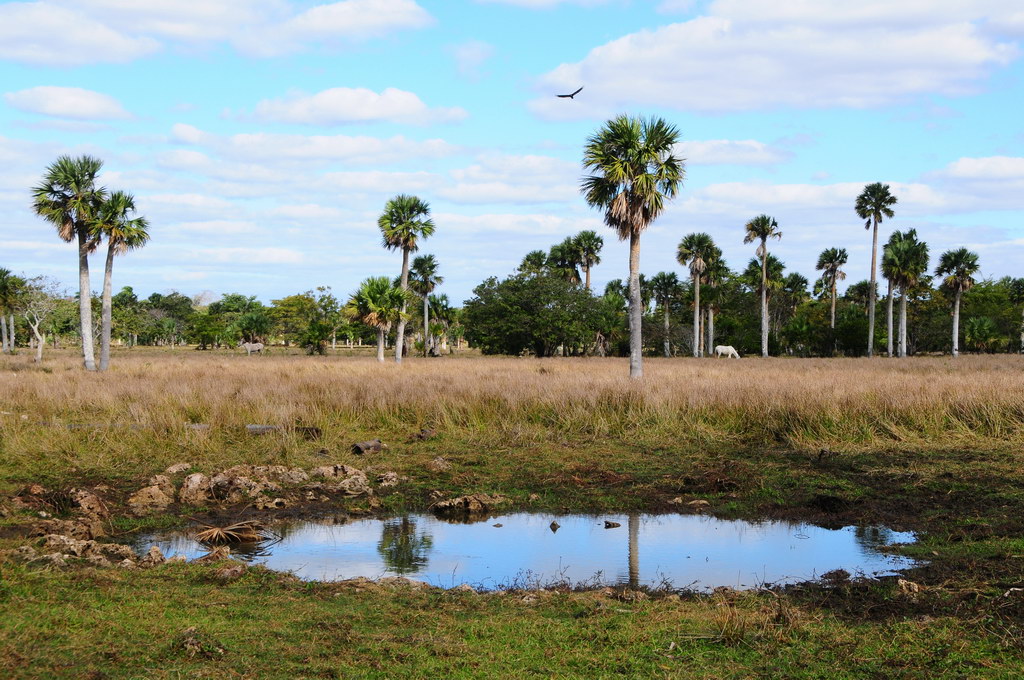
x: 570, y: 96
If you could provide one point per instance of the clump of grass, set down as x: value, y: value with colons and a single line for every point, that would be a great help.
x: 241, y: 532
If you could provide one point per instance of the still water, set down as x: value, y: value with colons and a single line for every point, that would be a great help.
x: 693, y: 551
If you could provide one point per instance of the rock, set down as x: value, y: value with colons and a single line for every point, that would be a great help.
x: 221, y: 552
x: 51, y: 560
x: 908, y: 586
x: 471, y: 504
x: 177, y: 559
x: 115, y: 551
x: 178, y: 468
x: 387, y: 479
x: 195, y: 490
x: 425, y: 434
x: 148, y: 500
x: 128, y: 563
x: 99, y: 561
x: 67, y: 545
x: 464, y: 588
x: 498, y: 525
x: 678, y: 500
x: 534, y: 497
x: 234, y: 485
x: 372, y: 446
x: 263, y: 429
x: 698, y: 505
x: 339, y: 470
x: 264, y: 503
x: 611, y: 525
x: 353, y: 480
x: 33, y: 490
x: 163, y: 482
x: 438, y: 464
x: 89, y: 527
x: 152, y: 558
x: 90, y: 504
x: 230, y: 572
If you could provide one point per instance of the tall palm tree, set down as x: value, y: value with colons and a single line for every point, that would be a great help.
x: 533, y: 262
x: 563, y: 259
x: 67, y: 198
x: 378, y: 304
x: 405, y: 220
x: 763, y: 228
x: 696, y: 250
x: 958, y: 267
x: 908, y: 259
x: 830, y: 264
x: 666, y: 289
x: 873, y: 205
x: 715, y: 274
x: 113, y: 221
x: 424, y: 280
x: 635, y: 170
x: 588, y: 248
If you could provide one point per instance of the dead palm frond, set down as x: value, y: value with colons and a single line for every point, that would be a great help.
x: 241, y: 532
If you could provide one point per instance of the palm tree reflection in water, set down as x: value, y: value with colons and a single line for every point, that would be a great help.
x: 634, y: 551
x: 403, y: 549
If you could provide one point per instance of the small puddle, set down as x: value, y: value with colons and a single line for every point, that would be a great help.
x: 692, y: 551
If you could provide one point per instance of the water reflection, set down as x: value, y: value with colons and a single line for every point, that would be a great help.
x: 682, y: 549
x: 404, y: 549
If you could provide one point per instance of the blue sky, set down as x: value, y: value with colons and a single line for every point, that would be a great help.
x: 263, y: 137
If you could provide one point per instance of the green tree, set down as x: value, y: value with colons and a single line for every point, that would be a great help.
x: 957, y: 267
x: 405, y: 220
x: 292, y: 314
x: 563, y: 260
x: 113, y: 221
x: 378, y: 304
x: 697, y: 251
x: 68, y: 198
x: 588, y: 248
x: 981, y: 334
x: 635, y: 171
x: 534, y: 262
x: 666, y: 290
x: 830, y: 264
x: 908, y: 261
x: 762, y: 228
x: 1016, y: 294
x: 424, y: 279
x: 873, y: 205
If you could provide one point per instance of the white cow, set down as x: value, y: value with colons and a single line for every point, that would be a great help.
x: 251, y: 347
x: 726, y: 350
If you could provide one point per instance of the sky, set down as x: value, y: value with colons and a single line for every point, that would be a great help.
x: 262, y: 138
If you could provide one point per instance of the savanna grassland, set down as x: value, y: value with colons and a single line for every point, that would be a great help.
x: 929, y: 444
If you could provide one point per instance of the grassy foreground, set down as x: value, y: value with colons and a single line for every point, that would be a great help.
x: 929, y: 444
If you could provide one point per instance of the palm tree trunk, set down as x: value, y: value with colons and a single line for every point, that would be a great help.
x: 711, y: 329
x: 871, y: 289
x: 108, y: 276
x: 85, y: 303
x: 888, y: 312
x: 3, y: 333
x: 1022, y: 332
x: 634, y: 550
x: 956, y: 325
x: 586, y: 271
x: 764, y: 303
x: 426, y: 323
x: 400, y: 337
x: 832, y: 319
x: 10, y: 333
x: 903, y: 322
x: 668, y: 343
x: 696, y: 315
x: 636, y: 365
x: 380, y: 344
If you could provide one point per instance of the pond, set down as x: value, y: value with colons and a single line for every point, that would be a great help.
x: 528, y: 550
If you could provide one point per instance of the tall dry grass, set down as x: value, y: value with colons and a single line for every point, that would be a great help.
x: 973, y: 401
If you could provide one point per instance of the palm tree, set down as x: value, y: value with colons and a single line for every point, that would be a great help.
x: 123, y: 233
x: 10, y: 286
x: 696, y: 250
x: 563, y: 259
x: 635, y: 171
x: 666, y: 289
x: 424, y: 280
x: 830, y: 264
x: 887, y: 274
x: 378, y: 304
x: 67, y: 198
x: 981, y: 333
x: 763, y: 228
x: 873, y: 205
x: 405, y: 220
x: 908, y: 260
x: 588, y: 249
x: 533, y: 262
x: 958, y: 267
x: 715, y: 274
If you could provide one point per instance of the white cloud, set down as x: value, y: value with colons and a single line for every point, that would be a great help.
x: 216, y: 227
x: 742, y: 56
x: 544, y: 4
x: 46, y: 34
x: 249, y: 255
x: 730, y: 152
x: 525, y: 179
x: 512, y: 224
x: 342, y: 105
x: 470, y: 57
x: 990, y: 168
x: 67, y: 102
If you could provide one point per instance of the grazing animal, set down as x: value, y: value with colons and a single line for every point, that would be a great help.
x: 569, y: 96
x: 251, y: 347
x: 726, y: 350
